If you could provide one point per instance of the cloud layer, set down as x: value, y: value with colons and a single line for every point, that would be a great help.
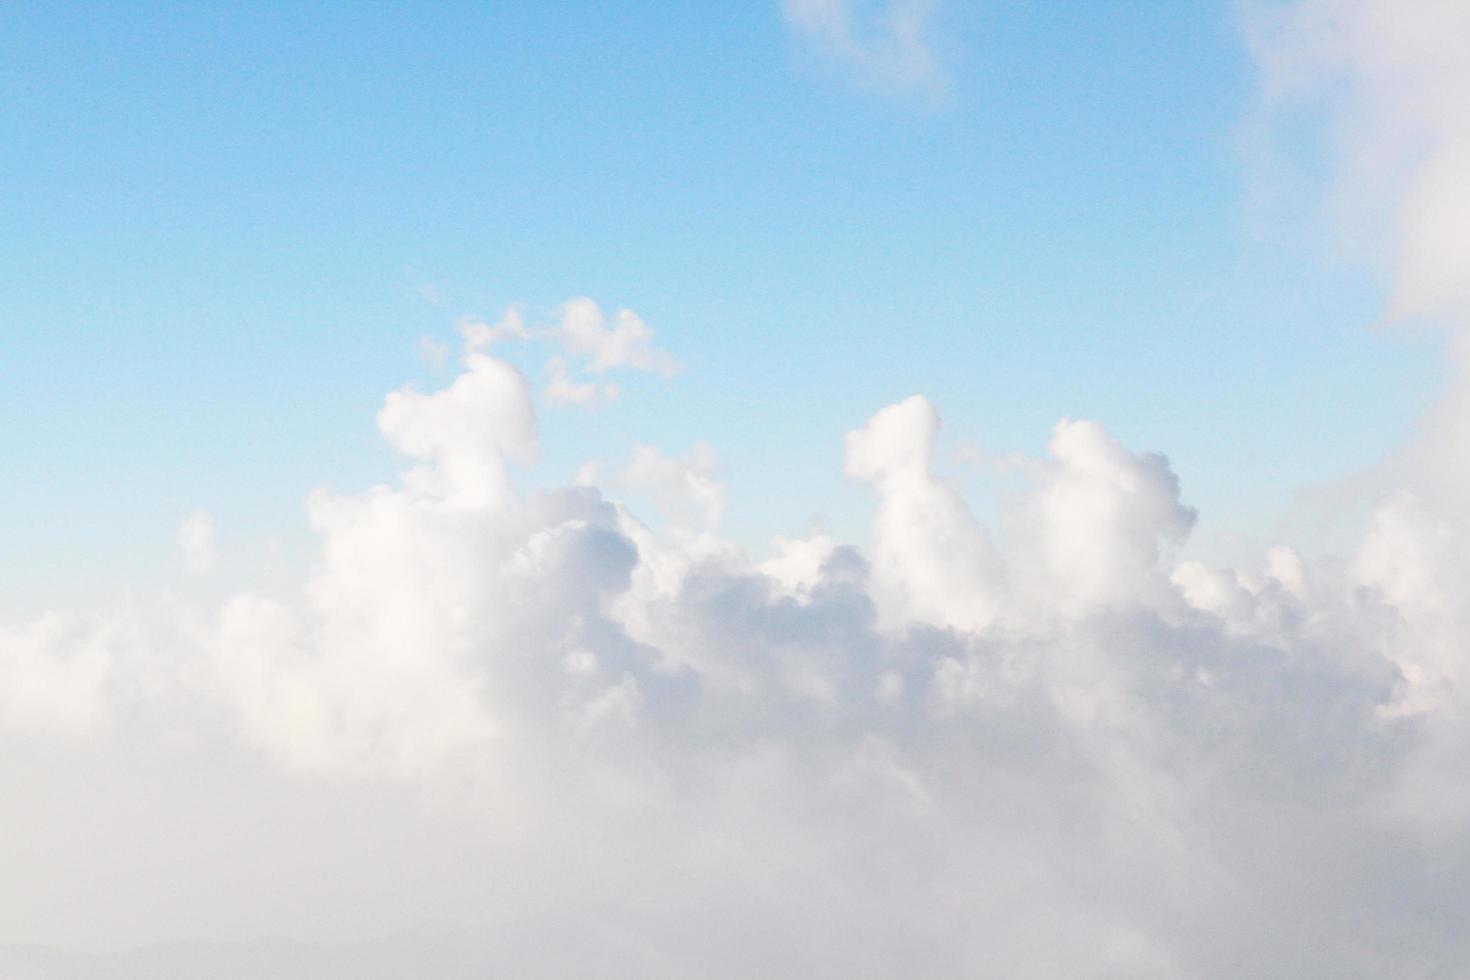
x: 1044, y: 748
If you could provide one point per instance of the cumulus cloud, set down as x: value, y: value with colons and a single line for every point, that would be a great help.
x: 1045, y: 747
x: 883, y: 41
x: 933, y: 562
x: 626, y: 342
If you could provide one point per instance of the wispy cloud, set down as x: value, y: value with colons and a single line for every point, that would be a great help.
x: 883, y: 42
x: 196, y: 542
x: 1389, y: 85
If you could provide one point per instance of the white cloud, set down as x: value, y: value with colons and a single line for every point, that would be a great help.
x: 1390, y: 85
x: 1102, y: 521
x: 797, y: 565
x: 883, y: 41
x: 1394, y: 82
x: 562, y: 390
x: 933, y: 563
x: 465, y: 433
x: 479, y: 336
x: 1049, y: 738
x: 627, y: 343
x: 591, y: 346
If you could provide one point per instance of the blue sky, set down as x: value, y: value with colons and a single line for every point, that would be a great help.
x: 226, y: 228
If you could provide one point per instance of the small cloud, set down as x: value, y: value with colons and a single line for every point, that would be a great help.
x: 628, y: 343
x: 598, y: 344
x: 479, y: 336
x: 591, y: 344
x: 884, y: 42
x: 196, y: 542
x: 562, y: 390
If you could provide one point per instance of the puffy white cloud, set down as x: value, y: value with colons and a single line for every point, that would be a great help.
x: 799, y: 565
x: 465, y: 433
x: 1100, y: 521
x: 932, y: 562
x: 626, y: 343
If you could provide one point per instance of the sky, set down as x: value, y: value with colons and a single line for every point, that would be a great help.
x: 811, y: 488
x: 230, y: 226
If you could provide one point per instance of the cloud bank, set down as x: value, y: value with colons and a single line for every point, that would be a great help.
x: 1041, y: 749
x: 541, y: 733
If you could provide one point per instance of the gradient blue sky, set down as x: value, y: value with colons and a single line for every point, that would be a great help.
x: 224, y: 231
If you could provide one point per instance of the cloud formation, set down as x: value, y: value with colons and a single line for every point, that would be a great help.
x: 1043, y: 748
x: 589, y: 345
x: 628, y: 342
x: 549, y: 732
